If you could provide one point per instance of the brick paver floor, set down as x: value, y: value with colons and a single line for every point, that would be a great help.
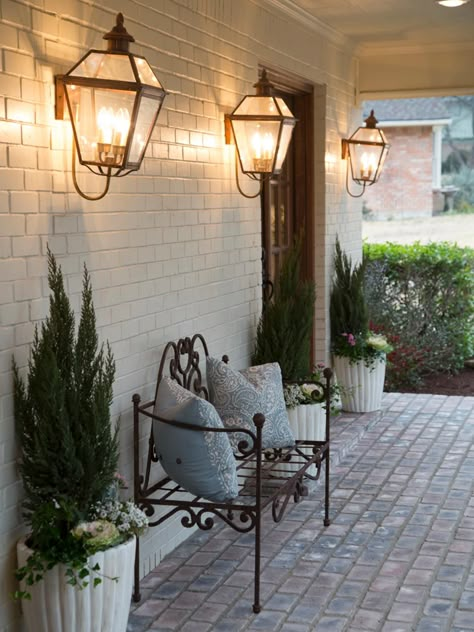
x: 398, y: 557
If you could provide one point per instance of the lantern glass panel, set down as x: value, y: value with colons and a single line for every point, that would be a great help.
x: 367, y: 135
x: 382, y: 161
x: 146, y: 74
x: 365, y: 162
x: 104, y: 65
x: 102, y: 121
x: 286, y: 134
x: 256, y: 143
x: 285, y: 110
x: 257, y: 106
x: 148, y: 111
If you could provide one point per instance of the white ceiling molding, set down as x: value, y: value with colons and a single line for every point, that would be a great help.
x: 289, y: 8
x: 373, y: 26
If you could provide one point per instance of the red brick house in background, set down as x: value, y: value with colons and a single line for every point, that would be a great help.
x: 410, y: 184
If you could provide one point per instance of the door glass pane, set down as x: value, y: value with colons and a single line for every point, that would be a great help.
x: 284, y: 223
x: 273, y: 218
x: 278, y: 209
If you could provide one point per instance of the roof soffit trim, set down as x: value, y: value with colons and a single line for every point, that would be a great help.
x: 414, y: 122
x: 412, y: 93
x: 376, y: 50
x: 289, y: 8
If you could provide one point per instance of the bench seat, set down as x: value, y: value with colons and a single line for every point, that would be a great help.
x: 267, y: 478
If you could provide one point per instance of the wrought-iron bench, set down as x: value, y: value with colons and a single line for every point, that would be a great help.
x: 267, y: 478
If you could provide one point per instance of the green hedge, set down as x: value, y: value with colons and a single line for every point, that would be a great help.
x: 422, y: 298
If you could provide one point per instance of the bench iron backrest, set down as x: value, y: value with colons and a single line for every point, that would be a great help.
x: 180, y: 360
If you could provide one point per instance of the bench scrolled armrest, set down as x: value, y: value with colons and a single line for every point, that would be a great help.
x: 245, y: 448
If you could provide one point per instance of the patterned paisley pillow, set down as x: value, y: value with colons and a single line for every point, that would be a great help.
x: 239, y: 395
x: 201, y: 462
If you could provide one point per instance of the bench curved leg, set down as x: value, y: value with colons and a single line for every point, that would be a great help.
x: 327, y: 521
x: 136, y: 584
x: 256, y: 605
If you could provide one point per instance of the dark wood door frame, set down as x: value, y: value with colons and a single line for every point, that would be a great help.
x: 296, y: 187
x: 300, y: 163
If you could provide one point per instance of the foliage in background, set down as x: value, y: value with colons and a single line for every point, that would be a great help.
x: 422, y: 298
x: 286, y: 323
x: 350, y: 333
x: 463, y: 179
x: 68, y: 447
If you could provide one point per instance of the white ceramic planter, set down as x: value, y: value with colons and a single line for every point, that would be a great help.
x: 362, y: 386
x: 307, y: 421
x: 56, y: 606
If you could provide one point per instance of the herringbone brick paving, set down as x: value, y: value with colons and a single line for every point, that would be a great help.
x: 398, y: 557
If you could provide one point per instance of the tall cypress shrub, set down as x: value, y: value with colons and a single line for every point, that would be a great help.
x: 68, y: 448
x: 348, y: 309
x: 285, y: 326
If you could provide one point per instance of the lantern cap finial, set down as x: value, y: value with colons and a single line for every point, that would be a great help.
x: 371, y: 121
x: 263, y: 86
x: 118, y: 38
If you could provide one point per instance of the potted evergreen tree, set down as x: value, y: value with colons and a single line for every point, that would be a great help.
x: 284, y: 336
x: 359, y: 354
x: 76, y: 563
x: 285, y: 326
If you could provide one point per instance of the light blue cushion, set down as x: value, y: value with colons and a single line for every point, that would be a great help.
x: 201, y: 462
x: 239, y: 395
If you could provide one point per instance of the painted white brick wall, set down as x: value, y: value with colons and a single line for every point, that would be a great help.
x: 173, y: 249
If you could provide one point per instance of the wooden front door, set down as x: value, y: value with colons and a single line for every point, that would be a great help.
x: 287, y: 198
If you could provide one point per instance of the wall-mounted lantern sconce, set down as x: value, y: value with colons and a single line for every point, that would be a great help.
x: 366, y: 151
x: 262, y: 126
x: 113, y: 99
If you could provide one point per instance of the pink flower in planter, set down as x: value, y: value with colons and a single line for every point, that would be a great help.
x: 350, y: 339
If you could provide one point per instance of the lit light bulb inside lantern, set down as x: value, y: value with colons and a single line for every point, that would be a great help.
x: 122, y: 125
x: 263, y: 148
x: 105, y: 120
x: 257, y: 145
x: 113, y: 128
x: 368, y: 165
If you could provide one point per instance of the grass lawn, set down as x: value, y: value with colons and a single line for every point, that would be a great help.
x: 455, y: 228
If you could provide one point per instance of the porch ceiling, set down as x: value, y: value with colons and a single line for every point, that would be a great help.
x: 404, y: 47
x: 394, y: 23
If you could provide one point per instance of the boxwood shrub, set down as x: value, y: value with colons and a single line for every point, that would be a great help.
x: 422, y: 298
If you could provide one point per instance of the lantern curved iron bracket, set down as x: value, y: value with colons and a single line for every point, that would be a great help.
x: 91, y: 198
x: 354, y: 195
x: 260, y: 180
